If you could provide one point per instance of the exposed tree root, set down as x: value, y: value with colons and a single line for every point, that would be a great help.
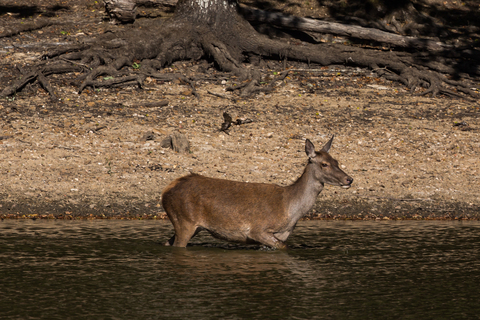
x: 39, y: 74
x: 39, y: 24
x: 112, y: 60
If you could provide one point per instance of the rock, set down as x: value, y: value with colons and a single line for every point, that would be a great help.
x: 180, y: 143
x: 167, y: 142
x: 177, y: 141
x: 149, y: 135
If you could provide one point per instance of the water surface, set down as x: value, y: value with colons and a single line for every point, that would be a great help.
x: 334, y: 270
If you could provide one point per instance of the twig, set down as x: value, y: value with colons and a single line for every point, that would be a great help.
x: 307, y: 70
x: 393, y: 199
x: 220, y: 95
x: 186, y: 80
x: 76, y: 63
x: 95, y: 130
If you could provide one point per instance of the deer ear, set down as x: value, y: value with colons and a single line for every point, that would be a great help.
x: 310, y: 149
x: 327, y: 145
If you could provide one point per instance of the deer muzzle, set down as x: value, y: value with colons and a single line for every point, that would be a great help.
x: 348, y: 182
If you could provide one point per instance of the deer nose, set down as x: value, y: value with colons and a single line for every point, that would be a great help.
x: 349, y: 180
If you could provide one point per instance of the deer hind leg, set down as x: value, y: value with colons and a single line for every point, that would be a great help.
x: 170, y: 242
x: 183, y: 234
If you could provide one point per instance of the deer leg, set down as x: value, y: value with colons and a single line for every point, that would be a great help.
x: 268, y: 239
x: 183, y: 234
x: 170, y: 242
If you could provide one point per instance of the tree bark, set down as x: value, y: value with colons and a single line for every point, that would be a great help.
x: 125, y: 11
x: 121, y: 11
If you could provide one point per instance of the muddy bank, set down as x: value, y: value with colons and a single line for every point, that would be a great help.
x: 348, y: 209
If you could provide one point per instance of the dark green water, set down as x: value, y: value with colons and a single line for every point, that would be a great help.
x: 334, y: 270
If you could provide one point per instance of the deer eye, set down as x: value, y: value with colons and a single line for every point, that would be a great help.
x: 324, y: 165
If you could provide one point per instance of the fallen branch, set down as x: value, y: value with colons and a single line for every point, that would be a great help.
x: 320, y: 26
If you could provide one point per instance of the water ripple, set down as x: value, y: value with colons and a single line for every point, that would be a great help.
x: 333, y: 270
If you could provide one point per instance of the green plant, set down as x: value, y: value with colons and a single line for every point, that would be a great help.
x: 109, y: 166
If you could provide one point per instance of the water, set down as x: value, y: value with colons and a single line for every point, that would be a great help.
x: 334, y: 270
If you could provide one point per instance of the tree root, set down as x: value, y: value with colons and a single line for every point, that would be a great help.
x: 38, y: 75
x: 29, y: 26
x: 110, y: 61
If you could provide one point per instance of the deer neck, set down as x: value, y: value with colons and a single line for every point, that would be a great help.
x: 303, y: 193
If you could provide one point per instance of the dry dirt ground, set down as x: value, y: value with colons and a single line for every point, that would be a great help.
x: 98, y: 153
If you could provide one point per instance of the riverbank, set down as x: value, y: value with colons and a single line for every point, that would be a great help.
x: 99, y: 154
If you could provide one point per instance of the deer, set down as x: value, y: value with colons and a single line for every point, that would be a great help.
x: 246, y: 212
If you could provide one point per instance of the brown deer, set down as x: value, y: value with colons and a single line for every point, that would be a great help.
x: 248, y: 212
